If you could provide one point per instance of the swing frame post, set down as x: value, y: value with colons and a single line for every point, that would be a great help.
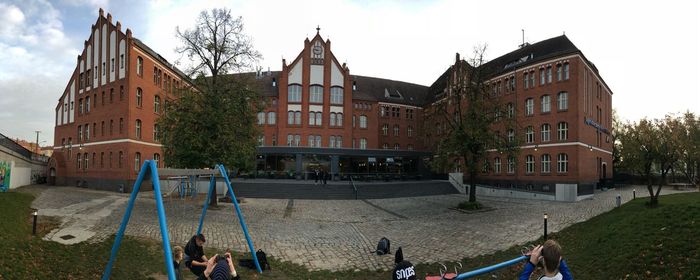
x: 212, y: 185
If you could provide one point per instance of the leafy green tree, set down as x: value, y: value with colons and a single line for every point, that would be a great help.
x: 638, y: 152
x: 214, y: 120
x: 686, y: 131
x: 472, y: 114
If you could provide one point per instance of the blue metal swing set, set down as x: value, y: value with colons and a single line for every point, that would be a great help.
x: 150, y: 170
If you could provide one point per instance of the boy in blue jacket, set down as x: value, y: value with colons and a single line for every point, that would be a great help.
x: 550, y: 255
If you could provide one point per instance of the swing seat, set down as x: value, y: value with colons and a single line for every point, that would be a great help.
x: 447, y: 276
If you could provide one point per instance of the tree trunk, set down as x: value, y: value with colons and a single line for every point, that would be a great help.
x: 472, y: 187
x: 652, y: 200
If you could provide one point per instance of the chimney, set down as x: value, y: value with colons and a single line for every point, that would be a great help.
x: 102, y: 12
x: 456, y: 57
x: 119, y: 26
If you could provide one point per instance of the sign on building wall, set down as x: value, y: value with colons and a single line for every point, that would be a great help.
x: 5, y: 169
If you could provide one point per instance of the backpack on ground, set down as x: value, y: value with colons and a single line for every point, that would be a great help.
x: 262, y: 260
x: 383, y: 247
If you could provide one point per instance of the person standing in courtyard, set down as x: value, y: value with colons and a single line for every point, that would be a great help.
x: 549, y: 254
x: 195, y: 259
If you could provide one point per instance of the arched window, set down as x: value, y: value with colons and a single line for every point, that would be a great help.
x: 311, y: 141
x: 385, y: 129
x: 271, y: 117
x: 563, y: 163
x: 290, y: 117
x: 297, y: 117
x: 396, y: 146
x: 339, y: 141
x: 261, y: 118
x: 319, y: 120
x: 409, y: 131
x: 332, y: 120
x: 337, y: 95
x: 339, y: 119
x: 511, y: 110
x: 497, y: 165
x: 563, y: 101
x: 137, y: 161
x: 363, y: 143
x: 290, y: 139
x: 139, y: 97
x: 294, y: 93
x: 396, y: 130
x: 546, y: 163
x: 529, y: 164
x: 139, y: 66
x: 529, y: 134
x: 559, y: 72
x: 385, y: 146
x: 78, y: 160
x: 566, y: 71
x: 156, y: 159
x: 316, y: 94
x: 511, y: 165
x: 511, y: 135
x: 546, y: 104
x: 156, y: 133
x: 363, y: 122
x: 318, y: 141
x: 331, y: 142
x: 138, y: 129
x: 545, y: 132
x: 156, y: 104
x: 297, y: 140
x: 563, y: 130
x: 529, y: 106
x: 121, y: 159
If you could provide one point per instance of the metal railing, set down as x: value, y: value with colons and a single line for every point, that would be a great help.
x: 354, y: 188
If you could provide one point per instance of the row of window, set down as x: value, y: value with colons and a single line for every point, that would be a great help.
x: 545, y: 164
x: 385, y: 146
x: 385, y: 130
x: 85, y: 79
x: 386, y: 111
x: 529, y: 79
x: 562, y: 133
x: 83, y: 160
x: 84, y: 130
x: 546, y: 105
x: 294, y: 118
x: 315, y: 94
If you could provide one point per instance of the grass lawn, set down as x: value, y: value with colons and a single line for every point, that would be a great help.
x: 632, y: 242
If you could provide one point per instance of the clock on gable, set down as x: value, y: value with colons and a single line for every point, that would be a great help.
x: 317, y: 53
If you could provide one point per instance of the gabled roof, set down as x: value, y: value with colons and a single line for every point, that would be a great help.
x: 160, y: 58
x: 390, y: 91
x: 529, y: 54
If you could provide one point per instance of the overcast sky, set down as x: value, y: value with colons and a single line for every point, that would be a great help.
x: 647, y: 51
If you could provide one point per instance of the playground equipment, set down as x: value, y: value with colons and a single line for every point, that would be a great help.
x: 150, y: 170
x: 455, y: 276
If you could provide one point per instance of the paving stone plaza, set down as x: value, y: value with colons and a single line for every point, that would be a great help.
x: 328, y: 234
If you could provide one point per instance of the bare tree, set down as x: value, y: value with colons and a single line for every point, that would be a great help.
x: 472, y: 114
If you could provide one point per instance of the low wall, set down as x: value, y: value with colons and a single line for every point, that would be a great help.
x: 16, y: 170
x: 563, y: 192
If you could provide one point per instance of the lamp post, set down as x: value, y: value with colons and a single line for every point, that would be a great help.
x: 545, y: 226
x: 35, y: 213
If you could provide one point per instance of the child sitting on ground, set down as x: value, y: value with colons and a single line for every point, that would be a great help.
x: 554, y: 266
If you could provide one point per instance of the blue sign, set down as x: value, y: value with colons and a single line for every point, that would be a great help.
x: 596, y: 125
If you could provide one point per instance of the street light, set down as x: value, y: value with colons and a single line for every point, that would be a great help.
x: 545, y: 226
x: 35, y: 213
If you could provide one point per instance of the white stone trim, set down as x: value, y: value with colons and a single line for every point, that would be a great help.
x: 560, y: 145
x: 398, y: 105
x: 116, y: 141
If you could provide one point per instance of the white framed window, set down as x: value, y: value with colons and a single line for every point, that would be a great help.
x: 363, y: 143
x: 290, y: 139
x: 385, y: 146
x: 385, y: 129
x: 337, y: 95
x: 156, y: 133
x: 297, y: 118
x: 409, y: 131
x: 546, y: 132
x: 532, y: 78
x: 396, y: 146
x: 526, y: 80
x: 566, y: 71
x: 541, y: 76
x: 318, y: 141
x: 339, y: 119
x: 319, y: 118
x: 331, y: 141
x: 271, y: 117
x: 529, y: 164
x: 563, y: 101
x: 332, y: 120
x: 310, y: 141
x: 529, y: 106
x: 546, y: 163
x: 139, y: 98
x: 297, y: 140
x: 529, y: 134
x: 546, y: 104
x: 156, y: 159
x: 294, y: 93
x: 138, y: 129
x: 563, y: 130
x: 137, y: 161
x: 312, y: 118
x: 409, y: 147
x: 316, y: 94
x: 339, y: 141
x: 363, y: 121
x: 497, y: 165
x: 562, y: 163
x: 261, y: 118
x: 559, y: 72
x: 396, y: 130
x: 511, y: 135
x: 511, y: 110
x: 139, y: 66
x: 549, y: 74
x: 511, y: 165
x: 290, y: 117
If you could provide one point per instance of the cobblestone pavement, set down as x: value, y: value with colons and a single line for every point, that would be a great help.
x: 335, y: 234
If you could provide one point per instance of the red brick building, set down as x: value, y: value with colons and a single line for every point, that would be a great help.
x: 320, y: 116
x: 105, y: 117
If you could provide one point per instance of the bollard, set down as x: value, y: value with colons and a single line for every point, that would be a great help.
x: 545, y: 226
x: 618, y: 200
x: 35, y: 214
x: 634, y: 193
